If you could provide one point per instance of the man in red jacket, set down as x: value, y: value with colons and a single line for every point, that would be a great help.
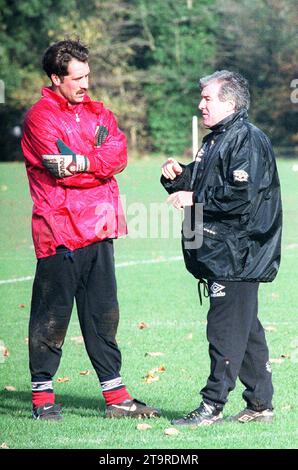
x: 73, y: 148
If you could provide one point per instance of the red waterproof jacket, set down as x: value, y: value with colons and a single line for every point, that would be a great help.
x: 77, y: 210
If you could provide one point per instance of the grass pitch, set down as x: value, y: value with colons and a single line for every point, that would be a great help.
x: 154, y: 288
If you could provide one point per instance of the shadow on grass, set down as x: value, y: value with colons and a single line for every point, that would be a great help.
x: 18, y: 405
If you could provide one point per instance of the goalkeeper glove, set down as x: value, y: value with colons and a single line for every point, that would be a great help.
x: 100, y: 135
x: 65, y: 164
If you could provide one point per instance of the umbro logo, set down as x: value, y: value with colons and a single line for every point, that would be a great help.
x: 246, y: 418
x: 217, y: 290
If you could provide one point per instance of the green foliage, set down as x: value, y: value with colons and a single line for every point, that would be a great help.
x: 146, y: 58
x: 180, y: 46
x: 262, y: 44
x: 24, y: 36
x: 112, y: 34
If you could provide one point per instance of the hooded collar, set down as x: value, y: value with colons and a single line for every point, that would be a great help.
x: 229, y: 121
x: 94, y: 106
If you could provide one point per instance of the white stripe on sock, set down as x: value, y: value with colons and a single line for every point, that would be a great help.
x: 111, y: 384
x: 41, y: 386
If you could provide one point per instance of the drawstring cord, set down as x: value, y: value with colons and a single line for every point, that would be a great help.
x: 205, y: 290
x: 69, y: 255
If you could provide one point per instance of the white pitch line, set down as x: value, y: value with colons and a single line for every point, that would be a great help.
x: 17, y: 279
x: 125, y: 264
x: 148, y: 261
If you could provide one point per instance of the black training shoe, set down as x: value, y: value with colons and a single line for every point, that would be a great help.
x: 247, y: 415
x: 47, y: 411
x: 206, y: 414
x: 131, y: 409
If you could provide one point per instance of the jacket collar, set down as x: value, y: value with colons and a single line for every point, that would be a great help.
x: 94, y: 106
x: 229, y: 121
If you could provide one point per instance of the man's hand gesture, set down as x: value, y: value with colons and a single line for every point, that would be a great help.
x: 170, y: 169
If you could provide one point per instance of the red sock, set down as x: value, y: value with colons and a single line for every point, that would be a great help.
x: 41, y: 398
x: 114, y: 397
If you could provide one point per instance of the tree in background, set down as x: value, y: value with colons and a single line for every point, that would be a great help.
x: 180, y: 48
x: 112, y: 32
x: 24, y: 30
x: 147, y: 58
x: 109, y: 28
x: 259, y: 39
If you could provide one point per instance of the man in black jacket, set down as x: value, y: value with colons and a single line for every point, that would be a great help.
x: 234, y: 178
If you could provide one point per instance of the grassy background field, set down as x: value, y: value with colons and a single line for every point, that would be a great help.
x: 156, y: 289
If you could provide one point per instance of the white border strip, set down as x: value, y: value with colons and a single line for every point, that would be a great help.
x: 125, y: 264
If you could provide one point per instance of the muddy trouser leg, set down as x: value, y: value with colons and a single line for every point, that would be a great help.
x: 53, y: 292
x: 231, y: 331
x: 255, y: 372
x: 98, y: 311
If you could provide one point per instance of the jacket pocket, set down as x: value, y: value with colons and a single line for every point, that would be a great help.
x: 220, y: 256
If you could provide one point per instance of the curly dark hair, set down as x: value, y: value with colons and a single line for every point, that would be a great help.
x: 57, y: 57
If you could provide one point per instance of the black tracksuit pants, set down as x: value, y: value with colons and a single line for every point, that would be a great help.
x: 86, y: 275
x: 237, y: 346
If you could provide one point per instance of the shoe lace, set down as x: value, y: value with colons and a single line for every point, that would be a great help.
x: 203, y: 409
x: 193, y: 414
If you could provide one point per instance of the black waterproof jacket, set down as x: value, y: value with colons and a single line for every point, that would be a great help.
x: 242, y: 220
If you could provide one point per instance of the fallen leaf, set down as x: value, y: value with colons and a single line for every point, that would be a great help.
x: 171, y: 432
x: 143, y: 426
x: 285, y: 356
x: 189, y: 336
x: 77, y: 339
x: 278, y: 360
x: 270, y: 328
x: 150, y: 379
x: 274, y: 296
x: 4, y: 187
x: 154, y: 354
x: 62, y: 379
x: 4, y: 352
x: 85, y: 372
x: 4, y: 446
x: 22, y: 306
x: 152, y: 376
x: 10, y: 388
x: 142, y: 325
x: 26, y: 340
x: 155, y: 370
x: 286, y: 408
